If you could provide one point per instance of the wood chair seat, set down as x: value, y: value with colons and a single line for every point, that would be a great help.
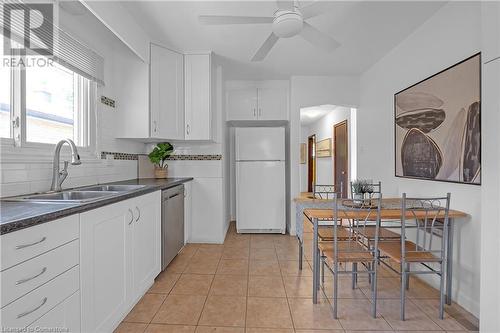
x: 392, y: 249
x: 383, y: 233
x: 326, y: 233
x: 348, y: 252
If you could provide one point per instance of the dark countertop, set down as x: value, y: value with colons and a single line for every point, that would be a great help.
x: 16, y: 215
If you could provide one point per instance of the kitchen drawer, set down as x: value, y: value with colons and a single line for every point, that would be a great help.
x: 21, y: 279
x: 29, y: 308
x: 27, y: 243
x: 65, y: 315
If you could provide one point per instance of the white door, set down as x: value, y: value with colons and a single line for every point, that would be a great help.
x: 260, y: 143
x: 242, y: 104
x: 198, y: 117
x: 167, y: 93
x: 104, y: 277
x: 273, y: 103
x: 146, y: 241
x: 260, y: 196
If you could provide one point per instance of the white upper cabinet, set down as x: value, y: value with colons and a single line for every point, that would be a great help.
x: 198, y: 96
x: 242, y: 104
x: 166, y: 94
x: 262, y: 100
x: 491, y: 30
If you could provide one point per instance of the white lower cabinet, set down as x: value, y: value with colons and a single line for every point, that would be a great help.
x: 65, y: 315
x: 119, y: 258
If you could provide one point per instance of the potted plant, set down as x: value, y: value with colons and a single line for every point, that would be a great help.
x: 358, y: 188
x: 158, y: 156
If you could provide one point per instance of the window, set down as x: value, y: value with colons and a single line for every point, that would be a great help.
x: 56, y: 103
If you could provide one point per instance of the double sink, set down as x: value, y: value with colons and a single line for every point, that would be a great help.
x: 80, y: 195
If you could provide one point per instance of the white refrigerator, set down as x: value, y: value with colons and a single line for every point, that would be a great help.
x: 260, y: 179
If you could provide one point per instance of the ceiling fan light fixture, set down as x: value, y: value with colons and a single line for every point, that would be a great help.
x: 287, y: 23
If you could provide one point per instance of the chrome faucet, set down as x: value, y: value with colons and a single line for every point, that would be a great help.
x: 58, y: 176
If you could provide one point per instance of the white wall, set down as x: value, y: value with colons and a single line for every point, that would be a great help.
x: 323, y: 129
x: 308, y: 91
x: 449, y: 36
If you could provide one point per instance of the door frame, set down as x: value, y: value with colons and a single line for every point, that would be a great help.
x: 335, y: 126
x: 311, y: 162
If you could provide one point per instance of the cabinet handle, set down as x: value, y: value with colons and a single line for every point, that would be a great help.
x: 188, y: 129
x: 31, y: 278
x: 44, y: 300
x: 260, y: 112
x: 131, y: 216
x: 139, y: 213
x: 156, y: 127
x: 31, y: 244
x: 254, y: 114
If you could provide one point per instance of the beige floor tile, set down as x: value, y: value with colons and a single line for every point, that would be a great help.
x: 233, y: 267
x: 237, y: 242
x: 193, y: 284
x: 345, y: 287
x: 164, y: 282
x: 431, y: 309
x: 180, y: 310
x: 370, y: 331
x: 386, y: 288
x: 224, y: 311
x: 268, y: 312
x: 325, y: 331
x: 268, y: 254
x: 146, y: 308
x: 229, y: 285
x: 300, y: 286
x: 420, y: 289
x: 236, y: 253
x: 161, y: 328
x: 179, y: 264
x: 130, y: 328
x: 189, y: 249
x: 269, y: 330
x: 415, y: 318
x: 266, y: 286
x: 291, y: 267
x: 202, y: 266
x: 355, y: 314
x: 307, y: 315
x: 212, y: 329
x: 263, y: 267
x: 287, y: 255
x: 261, y: 243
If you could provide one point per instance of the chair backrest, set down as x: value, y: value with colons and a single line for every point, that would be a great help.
x: 423, y: 220
x: 327, y: 191
x: 373, y: 188
x: 357, y: 214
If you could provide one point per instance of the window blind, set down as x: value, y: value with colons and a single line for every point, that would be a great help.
x: 41, y: 36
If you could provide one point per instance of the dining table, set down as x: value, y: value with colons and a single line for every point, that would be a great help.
x: 317, y: 211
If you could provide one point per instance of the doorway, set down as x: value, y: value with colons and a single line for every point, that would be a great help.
x: 341, y: 156
x: 311, y: 162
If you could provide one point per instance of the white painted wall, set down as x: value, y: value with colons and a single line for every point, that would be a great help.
x: 323, y: 128
x: 449, y: 36
x: 308, y: 91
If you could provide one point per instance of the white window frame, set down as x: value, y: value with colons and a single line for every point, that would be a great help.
x: 17, y: 144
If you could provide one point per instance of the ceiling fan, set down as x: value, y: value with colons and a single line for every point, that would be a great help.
x: 288, y: 21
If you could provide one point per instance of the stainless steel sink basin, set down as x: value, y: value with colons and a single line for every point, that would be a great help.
x: 111, y: 188
x: 65, y: 196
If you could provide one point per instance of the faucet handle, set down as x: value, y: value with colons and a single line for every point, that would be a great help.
x: 63, y: 173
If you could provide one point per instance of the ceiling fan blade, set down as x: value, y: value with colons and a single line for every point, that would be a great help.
x: 316, y: 8
x: 221, y: 20
x: 265, y: 48
x: 284, y: 4
x: 318, y: 38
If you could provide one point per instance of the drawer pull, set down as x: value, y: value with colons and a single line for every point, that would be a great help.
x: 31, y: 278
x: 44, y: 300
x: 31, y: 244
x: 139, y: 213
x: 131, y: 216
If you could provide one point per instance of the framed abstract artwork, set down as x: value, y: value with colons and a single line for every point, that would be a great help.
x: 438, y: 126
x: 324, y: 148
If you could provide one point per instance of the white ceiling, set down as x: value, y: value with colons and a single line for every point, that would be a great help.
x: 312, y: 114
x: 366, y: 30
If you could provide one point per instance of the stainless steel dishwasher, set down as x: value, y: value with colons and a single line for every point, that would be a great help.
x: 172, y: 224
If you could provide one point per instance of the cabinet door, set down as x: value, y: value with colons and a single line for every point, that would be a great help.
x: 491, y: 30
x: 273, y: 103
x: 146, y: 242
x: 187, y: 211
x: 242, y: 104
x: 207, y: 204
x: 167, y: 93
x: 198, y: 117
x: 104, y: 279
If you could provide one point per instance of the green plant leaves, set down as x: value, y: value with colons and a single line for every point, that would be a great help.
x: 160, y: 153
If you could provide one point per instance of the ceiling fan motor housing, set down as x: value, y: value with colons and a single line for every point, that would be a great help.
x: 287, y: 23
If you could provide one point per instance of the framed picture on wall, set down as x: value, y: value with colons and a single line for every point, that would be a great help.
x: 324, y: 148
x: 437, y: 126
x: 303, y: 153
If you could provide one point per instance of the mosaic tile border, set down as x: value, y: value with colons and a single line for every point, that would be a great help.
x: 134, y: 157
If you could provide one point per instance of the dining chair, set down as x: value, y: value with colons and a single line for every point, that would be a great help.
x: 425, y: 221
x: 327, y: 191
x: 348, y: 250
